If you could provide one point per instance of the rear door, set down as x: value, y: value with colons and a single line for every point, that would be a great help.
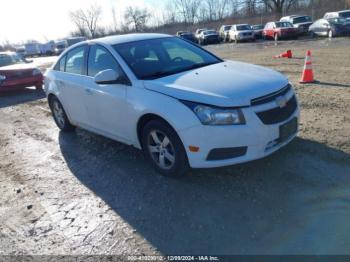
x: 70, y: 81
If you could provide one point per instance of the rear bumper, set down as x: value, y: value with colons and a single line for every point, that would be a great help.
x: 13, y: 84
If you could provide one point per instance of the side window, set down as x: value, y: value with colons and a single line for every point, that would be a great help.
x: 60, y: 66
x: 75, y: 61
x: 100, y: 59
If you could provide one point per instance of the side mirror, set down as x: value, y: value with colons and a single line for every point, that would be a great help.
x: 106, y: 77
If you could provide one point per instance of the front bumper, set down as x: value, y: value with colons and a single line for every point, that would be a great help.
x: 245, y: 37
x: 256, y: 137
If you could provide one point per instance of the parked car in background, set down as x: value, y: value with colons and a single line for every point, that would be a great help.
x: 183, y: 106
x: 224, y: 32
x: 15, y: 73
x: 280, y: 30
x: 331, y: 27
x: 340, y: 14
x: 74, y: 40
x: 258, y: 31
x: 60, y: 46
x: 241, y: 32
x: 187, y: 35
x: 301, y: 22
x: 32, y: 49
x: 21, y: 51
x: 209, y: 37
x: 199, y: 32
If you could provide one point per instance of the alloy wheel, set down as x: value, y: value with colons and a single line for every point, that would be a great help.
x: 58, y: 113
x: 161, y: 149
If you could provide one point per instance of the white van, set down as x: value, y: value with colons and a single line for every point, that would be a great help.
x: 32, y: 49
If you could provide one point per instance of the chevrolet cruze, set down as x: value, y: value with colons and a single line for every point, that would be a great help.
x: 183, y: 106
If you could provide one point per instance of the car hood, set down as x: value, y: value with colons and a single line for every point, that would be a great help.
x: 226, y: 84
x: 16, y: 67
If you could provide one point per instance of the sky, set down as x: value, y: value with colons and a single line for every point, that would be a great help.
x: 44, y: 20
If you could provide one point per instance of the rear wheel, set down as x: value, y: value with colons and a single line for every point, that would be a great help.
x: 60, y: 115
x: 164, y: 149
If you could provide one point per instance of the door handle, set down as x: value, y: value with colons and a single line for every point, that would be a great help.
x: 89, y: 91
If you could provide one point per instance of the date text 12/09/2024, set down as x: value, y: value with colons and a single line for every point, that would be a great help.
x: 173, y: 258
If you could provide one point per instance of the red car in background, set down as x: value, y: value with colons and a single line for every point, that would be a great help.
x: 16, y: 73
x: 280, y: 30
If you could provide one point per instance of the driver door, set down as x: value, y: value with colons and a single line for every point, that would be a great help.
x: 106, y: 104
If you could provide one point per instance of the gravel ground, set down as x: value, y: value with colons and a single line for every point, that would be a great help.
x: 82, y: 194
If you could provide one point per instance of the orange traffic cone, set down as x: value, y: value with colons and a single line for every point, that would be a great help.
x: 308, y: 74
x: 287, y: 54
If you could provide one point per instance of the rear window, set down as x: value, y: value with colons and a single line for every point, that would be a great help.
x: 283, y: 24
x: 243, y: 27
x: 345, y: 14
x: 301, y: 19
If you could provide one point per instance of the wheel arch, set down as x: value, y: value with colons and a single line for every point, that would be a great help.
x: 146, y: 118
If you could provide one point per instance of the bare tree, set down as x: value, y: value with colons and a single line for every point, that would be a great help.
x: 278, y: 6
x: 137, y: 17
x: 188, y: 10
x: 87, y: 20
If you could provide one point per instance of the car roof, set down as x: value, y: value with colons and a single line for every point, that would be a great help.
x: 121, y: 39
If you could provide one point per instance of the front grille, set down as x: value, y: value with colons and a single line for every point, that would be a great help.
x: 277, y: 115
x: 270, y: 97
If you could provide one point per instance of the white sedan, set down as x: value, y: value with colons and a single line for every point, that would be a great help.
x: 183, y: 106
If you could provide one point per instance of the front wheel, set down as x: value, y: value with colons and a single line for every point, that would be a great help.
x: 60, y: 115
x: 164, y: 149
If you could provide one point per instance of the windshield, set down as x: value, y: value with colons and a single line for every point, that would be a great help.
x: 283, y: 24
x: 9, y: 59
x: 301, y: 19
x: 228, y: 27
x: 338, y: 21
x: 156, y: 58
x: 243, y: 27
x: 209, y: 32
x: 257, y: 27
x: 345, y: 14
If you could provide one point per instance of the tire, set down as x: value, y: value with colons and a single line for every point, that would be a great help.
x: 169, y: 159
x: 60, y: 116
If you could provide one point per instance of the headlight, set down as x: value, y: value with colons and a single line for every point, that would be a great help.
x: 211, y: 115
x: 36, y: 72
x: 2, y: 78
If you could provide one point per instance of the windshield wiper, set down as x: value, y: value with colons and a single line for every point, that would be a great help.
x: 199, y: 65
x: 160, y: 74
